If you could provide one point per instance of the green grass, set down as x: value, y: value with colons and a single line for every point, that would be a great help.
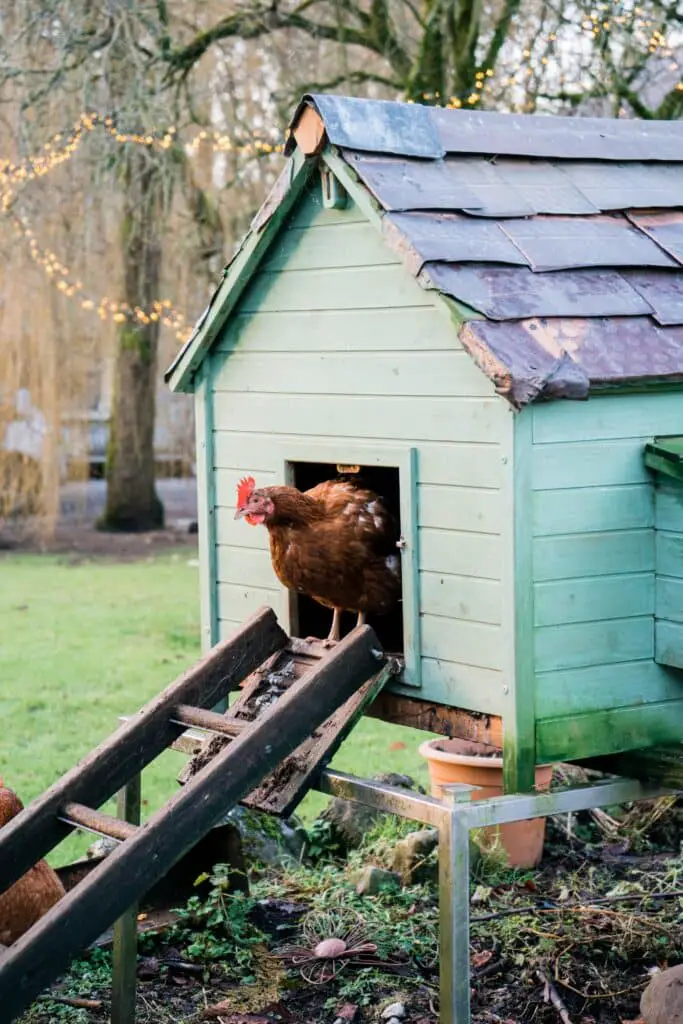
x: 82, y: 643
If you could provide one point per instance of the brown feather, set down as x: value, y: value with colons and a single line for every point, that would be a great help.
x: 33, y: 894
x: 335, y: 543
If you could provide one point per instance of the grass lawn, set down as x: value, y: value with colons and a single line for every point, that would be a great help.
x: 84, y: 642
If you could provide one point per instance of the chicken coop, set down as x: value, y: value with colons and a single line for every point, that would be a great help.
x: 480, y: 316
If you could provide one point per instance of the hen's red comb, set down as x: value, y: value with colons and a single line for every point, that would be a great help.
x: 245, y: 489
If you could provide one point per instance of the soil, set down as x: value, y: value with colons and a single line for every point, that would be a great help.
x: 82, y: 543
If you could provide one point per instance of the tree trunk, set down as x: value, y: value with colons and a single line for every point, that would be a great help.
x: 132, y: 501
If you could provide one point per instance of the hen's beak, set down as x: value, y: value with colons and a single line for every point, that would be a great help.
x: 241, y: 513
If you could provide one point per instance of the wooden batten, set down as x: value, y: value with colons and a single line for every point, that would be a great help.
x: 439, y: 718
x: 309, y: 132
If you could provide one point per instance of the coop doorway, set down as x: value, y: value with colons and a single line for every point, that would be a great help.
x: 307, y: 617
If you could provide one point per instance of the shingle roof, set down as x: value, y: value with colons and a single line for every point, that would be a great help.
x: 565, y: 234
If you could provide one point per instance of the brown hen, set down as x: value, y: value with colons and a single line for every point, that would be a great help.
x: 336, y: 543
x: 33, y: 894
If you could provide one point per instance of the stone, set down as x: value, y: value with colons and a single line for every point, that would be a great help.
x: 410, y: 853
x: 662, y: 1000
x: 374, y: 881
x: 395, y: 1011
x: 351, y: 821
x: 101, y: 848
x: 266, y: 838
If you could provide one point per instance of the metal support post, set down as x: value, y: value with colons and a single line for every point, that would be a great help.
x: 454, y: 908
x: 125, y: 951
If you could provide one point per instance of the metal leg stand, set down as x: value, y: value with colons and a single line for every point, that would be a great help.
x: 454, y: 910
x: 125, y: 952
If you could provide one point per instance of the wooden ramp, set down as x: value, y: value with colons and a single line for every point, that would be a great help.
x: 297, y: 703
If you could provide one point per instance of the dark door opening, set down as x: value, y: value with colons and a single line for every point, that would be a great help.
x: 310, y: 618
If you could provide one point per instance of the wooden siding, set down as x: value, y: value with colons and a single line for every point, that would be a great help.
x: 669, y: 570
x: 595, y: 549
x: 333, y: 340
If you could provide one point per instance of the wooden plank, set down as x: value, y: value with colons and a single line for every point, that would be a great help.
x: 407, y: 328
x: 245, y: 567
x: 669, y: 643
x: 473, y: 643
x: 669, y: 507
x: 237, y: 602
x: 669, y: 553
x: 467, y: 687
x: 427, y: 374
x: 457, y: 464
x: 310, y: 212
x: 609, y: 732
x: 460, y: 597
x: 460, y: 508
x: 131, y: 870
x: 669, y: 598
x: 235, y: 533
x: 601, y: 687
x: 346, y: 243
x: 206, y: 512
x: 410, y: 569
x: 593, y: 599
x: 593, y: 643
x: 587, y: 510
x: 200, y: 718
x: 460, y: 554
x: 432, y: 717
x: 663, y: 765
x: 364, y: 416
x: 36, y: 831
x: 589, y: 464
x: 283, y: 790
x: 519, y: 744
x: 344, y: 288
x: 95, y: 821
x: 593, y: 554
x: 608, y: 416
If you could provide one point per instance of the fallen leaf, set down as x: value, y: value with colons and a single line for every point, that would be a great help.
x: 347, y: 1011
x: 481, y: 958
x: 397, y: 745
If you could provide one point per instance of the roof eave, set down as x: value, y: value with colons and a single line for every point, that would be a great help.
x: 239, y: 271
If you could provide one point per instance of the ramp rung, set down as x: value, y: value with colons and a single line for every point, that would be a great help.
x: 184, y: 714
x: 96, y: 821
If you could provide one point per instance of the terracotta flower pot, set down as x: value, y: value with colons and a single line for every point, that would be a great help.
x: 478, y: 764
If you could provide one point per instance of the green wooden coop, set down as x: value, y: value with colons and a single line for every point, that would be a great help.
x: 483, y: 314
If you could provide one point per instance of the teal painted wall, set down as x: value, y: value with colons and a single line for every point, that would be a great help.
x: 669, y: 572
x: 592, y: 509
x: 335, y: 341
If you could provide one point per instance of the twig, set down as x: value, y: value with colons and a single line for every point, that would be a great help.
x: 533, y: 908
x: 75, y: 1001
x: 551, y: 995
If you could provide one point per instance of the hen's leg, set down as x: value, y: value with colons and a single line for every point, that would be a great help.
x: 335, y: 631
x: 361, y: 620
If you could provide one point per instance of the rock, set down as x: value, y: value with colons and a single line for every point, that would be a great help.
x: 375, y: 880
x: 395, y: 1011
x: 409, y: 854
x: 351, y: 820
x: 101, y: 848
x: 662, y: 1000
x: 266, y: 838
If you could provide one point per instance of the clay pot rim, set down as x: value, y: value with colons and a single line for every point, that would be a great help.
x: 429, y: 751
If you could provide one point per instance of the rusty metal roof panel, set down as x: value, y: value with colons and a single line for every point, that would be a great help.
x: 466, y: 184
x: 565, y: 358
x: 544, y: 186
x: 515, y: 293
x: 419, y: 237
x: 619, y: 186
x: 663, y: 290
x: 665, y: 228
x: 378, y: 126
x: 569, y: 138
x: 558, y: 243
